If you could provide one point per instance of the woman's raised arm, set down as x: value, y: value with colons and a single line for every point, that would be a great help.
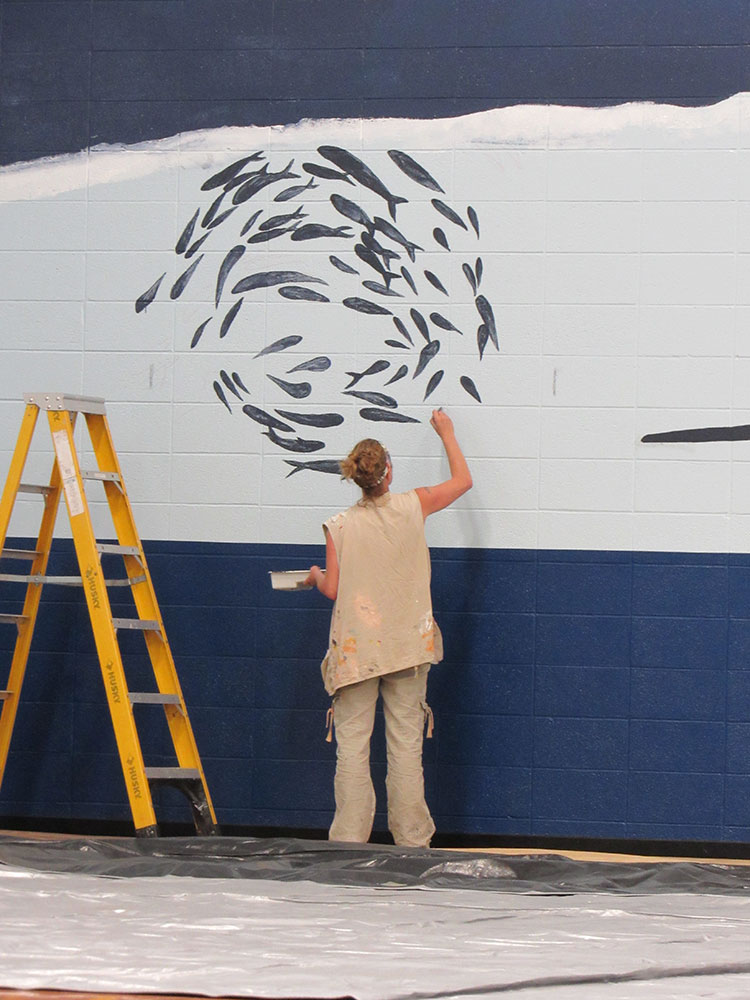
x: 434, y: 498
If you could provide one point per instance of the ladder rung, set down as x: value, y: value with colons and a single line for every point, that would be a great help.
x: 33, y: 488
x: 105, y: 477
x: 5, y: 694
x: 171, y: 773
x: 13, y: 619
x: 144, y: 624
x: 123, y: 550
x: 153, y: 698
x: 64, y: 581
x: 29, y: 554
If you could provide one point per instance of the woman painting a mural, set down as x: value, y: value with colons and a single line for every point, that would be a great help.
x: 383, y: 637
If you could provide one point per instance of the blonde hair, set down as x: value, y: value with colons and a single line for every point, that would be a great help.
x: 366, y: 465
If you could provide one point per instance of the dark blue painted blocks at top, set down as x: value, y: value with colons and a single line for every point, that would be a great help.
x: 697, y: 591
x: 681, y: 643
x: 583, y: 640
x: 580, y: 588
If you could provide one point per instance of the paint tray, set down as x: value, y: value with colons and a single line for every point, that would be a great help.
x: 290, y: 579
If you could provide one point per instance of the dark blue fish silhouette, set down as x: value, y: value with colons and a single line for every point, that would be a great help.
x: 291, y: 192
x: 226, y: 379
x: 230, y: 172
x: 212, y: 210
x: 396, y: 343
x: 269, y: 234
x: 243, y: 177
x: 485, y: 311
x: 342, y: 266
x: 329, y: 465
x: 466, y: 268
x: 473, y: 219
x: 187, y: 234
x: 433, y: 384
x: 302, y: 294
x: 373, y: 261
x: 372, y: 244
x: 145, y: 300
x: 199, y: 332
x: 240, y: 383
x: 376, y: 398
x: 384, y: 226
x: 373, y: 413
x: 267, y: 419
x: 426, y: 355
x: 403, y: 370
x: 468, y: 385
x: 299, y: 390
x: 265, y: 279
x: 248, y: 225
x: 220, y: 218
x: 226, y: 266
x: 483, y: 335
x: 179, y: 286
x: 409, y: 280
x: 435, y: 282
x: 402, y: 329
x: 443, y: 323
x: 282, y: 220
x: 365, y: 306
x: 351, y: 164
x: 440, y: 237
x: 313, y: 419
x: 327, y: 173
x: 295, y: 444
x: 230, y: 318
x: 261, y: 180
x: 220, y: 393
x: 316, y: 230
x: 352, y: 211
x: 319, y: 364
x: 280, y: 345
x: 447, y: 212
x: 375, y: 367
x: 375, y: 286
x: 479, y: 268
x: 195, y: 247
x: 421, y: 323
x: 414, y: 170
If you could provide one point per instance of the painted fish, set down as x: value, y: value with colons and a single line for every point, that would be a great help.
x: 434, y: 382
x: 226, y: 266
x: 220, y: 393
x: 299, y: 293
x: 225, y: 378
x: 473, y: 219
x: 230, y: 318
x: 313, y: 419
x: 435, y: 282
x: 299, y: 390
x: 409, y: 280
x: 346, y: 268
x: 280, y: 345
x: 228, y: 173
x: 212, y: 210
x: 375, y: 367
x: 466, y: 268
x: 415, y: 171
x: 479, y: 267
x: 421, y: 323
x: 179, y: 286
x: 255, y: 184
x: 376, y: 398
x: 384, y: 226
x: 282, y: 220
x: 199, y: 333
x: 145, y: 300
x: 447, y: 212
x: 396, y: 343
x: 443, y: 323
x: 197, y: 245
x: 187, y: 234
x: 327, y: 173
x: 316, y: 230
x: 265, y: 279
x: 365, y: 306
x: 269, y: 234
x: 403, y: 370
x: 373, y: 413
x: 372, y: 244
x: 329, y: 465
x: 426, y: 355
x: 400, y: 326
x: 485, y: 311
x: 220, y: 218
x: 267, y: 419
x: 468, y: 385
x: 483, y: 335
x: 440, y: 237
x: 243, y: 177
x: 295, y: 444
x: 319, y: 364
x: 291, y: 192
x: 240, y: 383
x: 350, y: 210
x: 375, y: 286
x: 249, y: 224
x: 351, y: 164
x: 373, y: 261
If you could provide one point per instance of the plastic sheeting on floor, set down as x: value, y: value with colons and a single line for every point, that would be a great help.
x: 401, y: 936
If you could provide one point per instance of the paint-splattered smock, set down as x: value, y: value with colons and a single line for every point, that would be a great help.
x: 382, y: 618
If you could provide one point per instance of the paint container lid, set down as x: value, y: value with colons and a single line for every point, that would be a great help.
x: 290, y: 579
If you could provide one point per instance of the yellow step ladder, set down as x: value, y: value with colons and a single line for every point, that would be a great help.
x: 68, y: 479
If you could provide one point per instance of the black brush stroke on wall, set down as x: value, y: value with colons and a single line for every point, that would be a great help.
x: 77, y: 73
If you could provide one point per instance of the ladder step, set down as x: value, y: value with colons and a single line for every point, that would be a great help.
x: 13, y: 619
x: 124, y: 550
x: 5, y: 694
x: 144, y: 624
x: 153, y: 698
x: 64, y: 581
x: 104, y: 477
x: 172, y: 773
x: 33, y: 488
x: 29, y: 554
x: 64, y: 401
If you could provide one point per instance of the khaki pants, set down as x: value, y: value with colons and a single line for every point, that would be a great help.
x: 406, y: 710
